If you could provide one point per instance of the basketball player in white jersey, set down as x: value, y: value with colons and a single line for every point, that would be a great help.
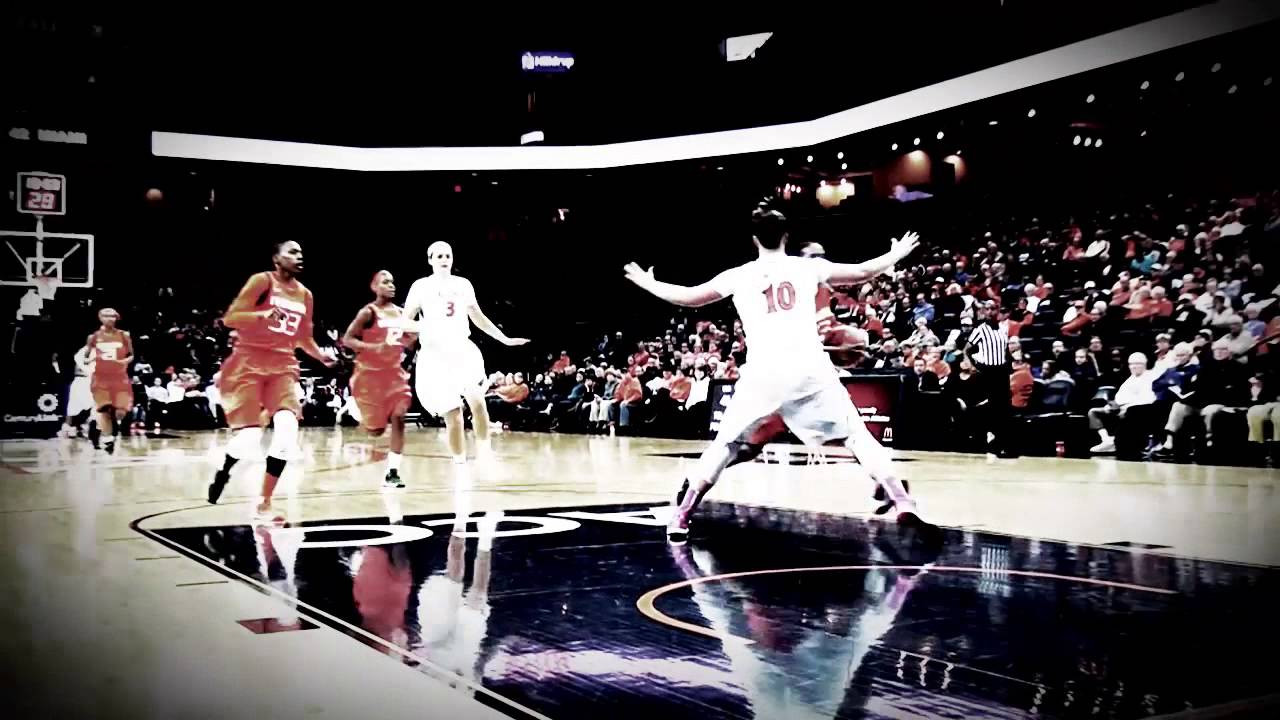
x: 80, y: 396
x: 787, y: 372
x: 449, y: 366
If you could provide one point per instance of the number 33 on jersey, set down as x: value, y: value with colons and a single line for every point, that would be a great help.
x: 290, y: 305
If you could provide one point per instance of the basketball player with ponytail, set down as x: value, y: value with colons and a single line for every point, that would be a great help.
x: 379, y: 384
x: 787, y: 372
x: 450, y: 368
x: 273, y: 316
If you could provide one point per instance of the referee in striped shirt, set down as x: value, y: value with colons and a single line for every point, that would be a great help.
x: 988, y: 350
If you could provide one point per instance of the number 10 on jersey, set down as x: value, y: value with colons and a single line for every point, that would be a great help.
x: 783, y: 297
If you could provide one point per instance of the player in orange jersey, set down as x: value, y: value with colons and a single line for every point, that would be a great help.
x: 380, y: 385
x: 272, y: 316
x: 111, y: 351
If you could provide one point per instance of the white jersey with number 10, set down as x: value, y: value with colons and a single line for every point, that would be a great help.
x: 444, y: 301
x: 774, y: 299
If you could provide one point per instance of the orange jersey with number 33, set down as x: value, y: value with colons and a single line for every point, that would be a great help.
x: 291, y: 323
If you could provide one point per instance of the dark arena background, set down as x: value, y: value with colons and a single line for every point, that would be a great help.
x: 1074, y: 375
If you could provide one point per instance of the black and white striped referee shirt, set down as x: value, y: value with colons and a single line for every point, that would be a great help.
x: 990, y: 345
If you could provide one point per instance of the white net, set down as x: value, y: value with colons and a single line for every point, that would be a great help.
x: 46, y: 286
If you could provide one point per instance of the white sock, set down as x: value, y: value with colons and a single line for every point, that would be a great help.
x: 1106, y: 436
x: 393, y: 461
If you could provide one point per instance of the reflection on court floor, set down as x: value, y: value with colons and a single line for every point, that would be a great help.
x: 767, y: 613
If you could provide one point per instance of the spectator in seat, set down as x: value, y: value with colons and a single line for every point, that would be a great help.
x: 509, y: 395
x: 1082, y: 321
x: 1051, y: 371
x: 1059, y: 355
x: 561, y: 363
x: 1134, y: 403
x: 1085, y: 376
x: 921, y: 378
x: 1164, y: 343
x: 157, y: 402
x: 1252, y: 325
x: 1219, y: 385
x: 1160, y: 300
x: 922, y: 335
x: 1220, y: 315
x: 730, y: 370
x: 1264, y: 407
x: 1239, y: 342
x: 1141, y: 306
x: 1021, y: 386
x: 628, y: 396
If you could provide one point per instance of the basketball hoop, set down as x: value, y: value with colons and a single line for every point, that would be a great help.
x: 46, y: 286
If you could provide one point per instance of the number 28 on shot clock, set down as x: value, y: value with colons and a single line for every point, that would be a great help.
x: 42, y: 193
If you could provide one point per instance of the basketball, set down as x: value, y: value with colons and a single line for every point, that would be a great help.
x: 154, y: 195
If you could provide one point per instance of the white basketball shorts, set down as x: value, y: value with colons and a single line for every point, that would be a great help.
x: 445, y: 373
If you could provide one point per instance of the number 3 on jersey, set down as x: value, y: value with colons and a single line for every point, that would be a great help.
x: 286, y: 322
x: 448, y: 309
x: 783, y: 297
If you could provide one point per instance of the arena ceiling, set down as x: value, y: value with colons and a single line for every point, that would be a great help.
x: 414, y: 80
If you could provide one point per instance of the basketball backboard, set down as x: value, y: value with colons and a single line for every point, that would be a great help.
x: 28, y: 256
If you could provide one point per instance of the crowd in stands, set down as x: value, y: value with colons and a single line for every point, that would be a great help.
x: 1157, y: 327
x: 1134, y: 323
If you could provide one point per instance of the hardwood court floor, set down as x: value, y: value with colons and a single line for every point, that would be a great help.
x: 131, y: 596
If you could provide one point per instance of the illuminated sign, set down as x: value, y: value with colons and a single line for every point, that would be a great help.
x: 546, y: 62
x: 42, y: 193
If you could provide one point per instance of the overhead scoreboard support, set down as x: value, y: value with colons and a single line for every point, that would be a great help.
x: 46, y: 258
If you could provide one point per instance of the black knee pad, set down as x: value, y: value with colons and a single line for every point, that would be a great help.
x: 275, y: 466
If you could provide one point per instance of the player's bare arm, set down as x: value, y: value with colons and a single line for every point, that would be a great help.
x: 681, y: 295
x: 128, y: 349
x: 849, y: 273
x: 242, y: 314
x: 351, y: 338
x: 307, y: 340
x: 483, y: 322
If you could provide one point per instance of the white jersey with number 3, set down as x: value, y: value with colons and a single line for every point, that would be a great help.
x: 443, y: 301
x: 774, y: 299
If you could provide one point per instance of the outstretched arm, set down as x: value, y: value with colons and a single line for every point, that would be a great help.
x: 696, y: 296
x: 850, y: 273
x: 483, y: 322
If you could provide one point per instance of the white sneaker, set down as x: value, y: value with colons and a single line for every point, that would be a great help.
x: 1106, y: 446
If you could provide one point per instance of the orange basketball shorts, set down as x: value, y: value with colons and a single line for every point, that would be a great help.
x: 255, y: 385
x: 114, y: 391
x: 380, y: 394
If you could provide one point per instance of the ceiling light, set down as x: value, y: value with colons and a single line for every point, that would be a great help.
x: 844, y: 166
x: 1092, y: 97
x: 840, y: 155
x: 1031, y: 112
x: 1179, y: 77
x: 916, y: 141
x: 808, y: 158
x: 1216, y: 67
x: 1076, y: 141
x: 993, y: 122
x: 940, y: 134
x: 780, y: 161
x: 893, y: 146
x: 1232, y: 90
x: 1088, y: 142
x: 1098, y: 144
